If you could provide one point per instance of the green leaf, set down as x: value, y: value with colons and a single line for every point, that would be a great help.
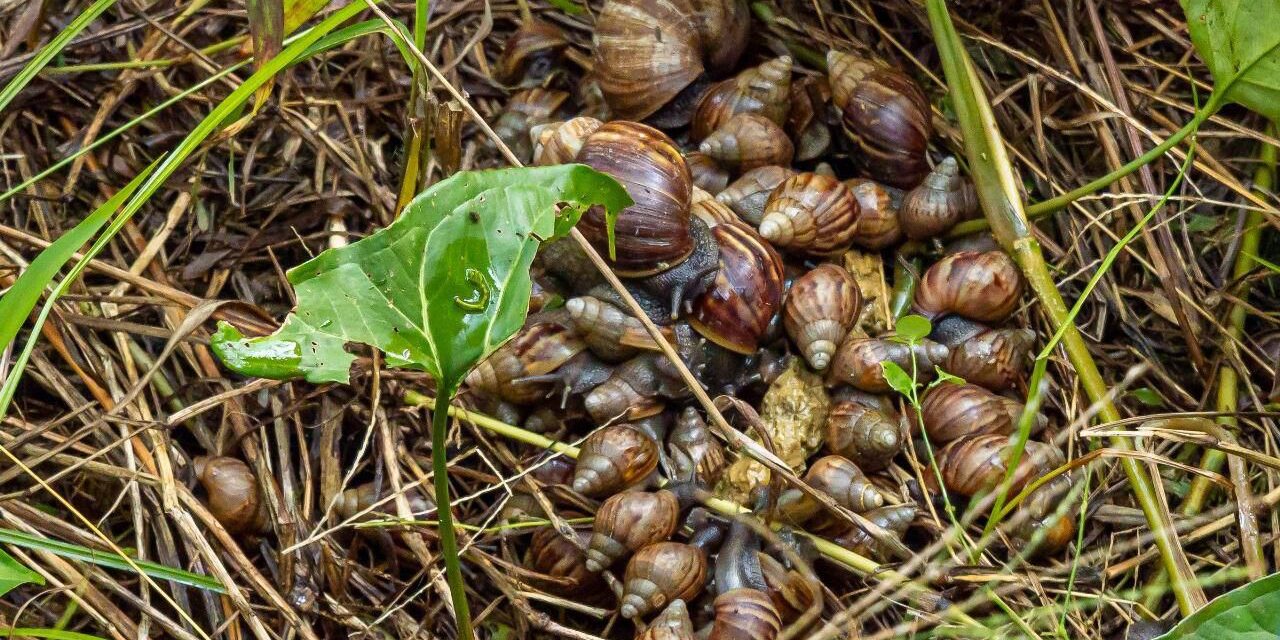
x: 438, y: 290
x: 913, y: 328
x: 297, y: 12
x: 1239, y: 40
x: 900, y: 380
x: 1147, y: 396
x: 107, y: 559
x: 944, y: 377
x: 52, y: 50
x: 1249, y: 612
x: 568, y: 6
x: 13, y: 574
x: 52, y: 634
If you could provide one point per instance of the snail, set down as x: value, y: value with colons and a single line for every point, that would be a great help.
x: 647, y: 52
x: 821, y: 307
x: 234, y: 498
x: 553, y: 555
x: 747, y: 141
x: 935, y: 205
x: 706, y: 172
x: 764, y: 90
x: 611, y: 333
x: 636, y: 389
x: 886, y: 113
x: 743, y: 608
x: 1044, y: 518
x: 526, y: 109
x: 656, y: 238
x: 358, y: 499
x: 810, y: 213
x: 628, y: 521
x: 864, y: 434
x: 791, y: 593
x: 694, y: 453
x: 529, y: 367
x: 975, y: 463
x: 857, y: 362
x: 710, y: 211
x: 672, y: 624
x: 660, y: 573
x: 949, y: 411
x: 747, y: 291
x: 993, y: 358
x: 747, y: 195
x: 838, y: 478
x: 613, y: 458
x: 979, y: 286
x: 530, y: 54
x: 892, y: 518
x: 805, y: 121
x: 559, y: 142
x: 878, y: 206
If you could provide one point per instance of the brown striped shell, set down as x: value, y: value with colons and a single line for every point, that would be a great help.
x: 634, y: 390
x: 672, y: 624
x: 353, y: 501
x: 736, y: 310
x: 748, y: 194
x: 791, y: 593
x: 711, y: 211
x: 527, y: 109
x: 806, y: 121
x: 744, y: 614
x: 841, y: 479
x: 628, y: 521
x: 748, y: 141
x: 764, y: 90
x: 821, y: 307
x: 878, y: 225
x: 863, y: 434
x: 810, y: 213
x: 537, y: 350
x: 652, y: 234
x: 886, y: 113
x: 985, y: 286
x: 611, y: 333
x: 857, y: 362
x: 551, y: 554
x: 660, y: 573
x: 708, y: 176
x: 944, y: 198
x: 953, y: 410
x: 559, y: 142
x: 646, y: 52
x: 976, y: 463
x: 996, y: 358
x: 695, y: 453
x: 530, y: 53
x: 613, y: 458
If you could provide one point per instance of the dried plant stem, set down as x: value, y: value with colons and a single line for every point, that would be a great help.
x: 999, y: 194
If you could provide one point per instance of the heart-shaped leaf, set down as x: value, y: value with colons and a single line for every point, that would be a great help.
x: 1240, y: 42
x: 1251, y: 611
x: 438, y: 289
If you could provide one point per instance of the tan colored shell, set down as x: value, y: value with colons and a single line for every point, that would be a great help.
x: 646, y: 52
x: 233, y: 494
x: 748, y: 194
x: 892, y: 518
x: 841, y: 479
x: 976, y: 463
x: 744, y: 614
x: 628, y: 521
x: 857, y: 362
x: 747, y: 141
x: 537, y: 350
x: 806, y: 121
x: 950, y: 411
x: 631, y: 392
x: 364, y: 497
x: 611, y: 333
x: 937, y: 204
x: 672, y: 624
x: 810, y: 213
x: 986, y: 286
x: 708, y: 176
x: 559, y: 142
x: 711, y: 211
x: 527, y: 109
x: 821, y: 307
x: 660, y: 573
x: 863, y: 434
x: 613, y: 458
x: 792, y: 594
x: 878, y: 225
x: 763, y: 90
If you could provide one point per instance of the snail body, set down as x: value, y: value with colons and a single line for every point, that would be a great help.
x: 864, y: 434
x: 746, y: 293
x: 628, y: 521
x: 985, y: 286
x: 747, y: 141
x: 613, y: 458
x: 821, y: 307
x: 953, y: 410
x: 892, y: 518
x: 234, y: 498
x: 747, y: 195
x: 764, y: 90
x: 660, y: 573
x: 810, y: 213
x: 886, y: 113
x: 694, y: 452
x: 857, y: 362
x: 935, y: 205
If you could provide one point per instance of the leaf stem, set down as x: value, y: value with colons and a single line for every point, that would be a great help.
x: 444, y: 510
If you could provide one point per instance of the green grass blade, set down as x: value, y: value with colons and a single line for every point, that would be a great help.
x: 109, y: 560
x: 51, y: 50
x: 52, y: 634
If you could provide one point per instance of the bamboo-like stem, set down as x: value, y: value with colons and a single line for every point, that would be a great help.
x: 998, y: 192
x: 444, y: 514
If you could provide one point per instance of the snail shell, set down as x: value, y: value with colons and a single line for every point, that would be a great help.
x: 736, y: 310
x: 953, y: 410
x: 234, y: 498
x: 745, y: 614
x: 711, y: 211
x: 748, y: 141
x: 976, y: 463
x: 857, y: 362
x: 707, y: 173
x: 980, y: 286
x: 893, y: 518
x: 748, y: 194
x: 362, y: 497
x: 610, y: 333
x: 530, y: 53
x: 844, y: 481
x: 559, y: 142
x: 810, y: 213
x: 886, y: 113
x: 633, y: 391
x: 724, y: 27
x: 613, y: 458
x: 993, y: 358
x: 646, y: 52
x: 694, y: 452
x: 672, y: 624
x: 878, y: 225
x: 526, y: 109
x: 551, y: 554
x: 537, y: 350
x: 653, y: 234
x: 763, y: 90
x: 660, y: 573
x: 628, y: 521
x: 790, y: 592
x: 1042, y: 508
x: 863, y: 434
x: 937, y: 204
x: 808, y: 127
x: 821, y: 307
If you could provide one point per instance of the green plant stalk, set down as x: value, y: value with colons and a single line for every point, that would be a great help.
x: 444, y: 512
x: 109, y: 560
x: 51, y: 51
x: 998, y: 192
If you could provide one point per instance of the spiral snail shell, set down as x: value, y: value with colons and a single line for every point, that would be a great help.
x: 878, y: 205
x: 857, y: 362
x: 763, y: 90
x: 993, y: 358
x: 886, y: 113
x: 610, y: 333
x: 892, y: 518
x: 980, y: 286
x: 976, y: 463
x: 559, y: 142
x: 613, y: 458
x: 526, y: 109
x: 530, y: 53
x: 707, y: 173
x: 953, y: 410
x: 747, y: 291
x: 553, y: 555
x: 810, y: 213
x: 693, y: 450
x: 628, y: 521
x: 672, y: 624
x: 747, y: 195
x: 747, y: 141
x: 233, y: 495
x: 744, y: 614
x: 821, y: 307
x: 937, y: 204
x: 863, y: 434
x: 660, y: 573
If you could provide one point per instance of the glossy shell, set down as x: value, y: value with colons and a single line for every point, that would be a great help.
x: 735, y: 312
x: 841, y: 479
x: 706, y: 172
x: 810, y: 213
x: 672, y: 624
x: 646, y: 52
x: 747, y: 195
x: 744, y: 614
x: 878, y: 225
x: 551, y: 554
x: 950, y: 411
x: 821, y: 307
x: 857, y: 362
x: 559, y: 142
x: 613, y: 458
x: 660, y: 573
x: 996, y: 359
x: 530, y: 52
x: 976, y: 463
x: 711, y: 211
x: 986, y: 286
x: 763, y: 90
x: 937, y: 204
x: 886, y: 113
x: 863, y: 434
x: 748, y: 141
x: 232, y: 494
x: 537, y: 350
x: 628, y: 521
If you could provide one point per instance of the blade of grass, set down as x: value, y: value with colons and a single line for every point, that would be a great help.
x: 999, y: 194
x: 52, y: 634
x: 111, y: 561
x: 51, y: 51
